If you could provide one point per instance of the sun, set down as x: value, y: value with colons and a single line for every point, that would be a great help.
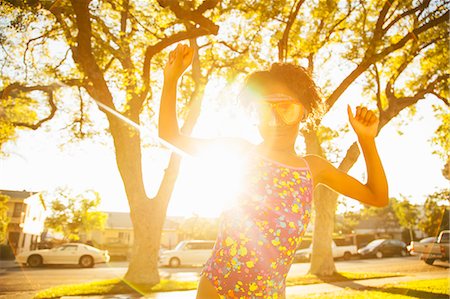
x: 209, y: 183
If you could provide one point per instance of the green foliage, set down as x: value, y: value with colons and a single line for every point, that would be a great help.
x: 74, y: 214
x: 4, y: 219
x: 347, y: 222
x: 440, y: 140
x: 406, y: 213
x: 118, y: 286
x: 385, y: 216
x: 434, y: 208
x: 424, y: 289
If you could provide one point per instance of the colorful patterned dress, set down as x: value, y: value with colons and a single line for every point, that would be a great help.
x: 259, y: 235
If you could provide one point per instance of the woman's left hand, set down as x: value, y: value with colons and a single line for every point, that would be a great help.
x: 364, y: 123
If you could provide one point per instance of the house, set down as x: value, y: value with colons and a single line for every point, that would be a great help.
x: 27, y: 212
x: 118, y: 237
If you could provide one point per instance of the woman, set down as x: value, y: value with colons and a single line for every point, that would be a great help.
x: 259, y: 235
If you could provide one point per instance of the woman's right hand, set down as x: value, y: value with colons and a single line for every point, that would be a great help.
x: 179, y: 60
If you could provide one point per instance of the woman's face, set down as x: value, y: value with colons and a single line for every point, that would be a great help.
x: 279, y: 114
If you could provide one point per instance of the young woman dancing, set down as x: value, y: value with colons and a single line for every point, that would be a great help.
x: 259, y: 235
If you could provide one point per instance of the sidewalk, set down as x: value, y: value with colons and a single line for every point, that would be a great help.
x: 7, y: 264
x: 293, y: 290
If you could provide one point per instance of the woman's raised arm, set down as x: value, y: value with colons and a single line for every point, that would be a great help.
x: 168, y: 129
x: 375, y: 191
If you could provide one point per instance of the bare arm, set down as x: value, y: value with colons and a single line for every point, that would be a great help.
x: 168, y: 129
x: 375, y: 191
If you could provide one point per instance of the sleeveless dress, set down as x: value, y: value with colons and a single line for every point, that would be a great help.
x: 258, y: 236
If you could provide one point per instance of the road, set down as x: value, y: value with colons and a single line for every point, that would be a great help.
x: 30, y: 280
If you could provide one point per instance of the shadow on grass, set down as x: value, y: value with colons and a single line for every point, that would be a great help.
x: 123, y: 288
x: 337, y: 280
x: 412, y: 293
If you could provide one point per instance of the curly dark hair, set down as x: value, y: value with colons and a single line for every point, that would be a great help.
x: 294, y: 77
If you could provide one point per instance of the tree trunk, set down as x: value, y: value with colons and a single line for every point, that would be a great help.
x: 143, y: 264
x: 147, y: 215
x: 325, y: 199
x: 322, y: 262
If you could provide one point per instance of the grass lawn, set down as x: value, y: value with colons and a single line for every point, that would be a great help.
x: 424, y: 289
x: 117, y: 286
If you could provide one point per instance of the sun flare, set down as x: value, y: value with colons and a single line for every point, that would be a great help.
x: 210, y: 182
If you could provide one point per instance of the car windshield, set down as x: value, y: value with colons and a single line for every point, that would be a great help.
x: 91, y: 248
x: 375, y: 243
x: 428, y: 240
x: 179, y: 246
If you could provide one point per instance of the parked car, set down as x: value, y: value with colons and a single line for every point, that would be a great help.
x: 69, y: 253
x: 188, y: 252
x: 345, y: 252
x: 438, y: 250
x: 383, y: 247
x: 415, y: 248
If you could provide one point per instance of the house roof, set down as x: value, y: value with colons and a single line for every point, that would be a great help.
x: 122, y: 220
x: 17, y: 194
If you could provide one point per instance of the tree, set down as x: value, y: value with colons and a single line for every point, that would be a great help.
x: 73, y: 215
x: 407, y: 215
x: 347, y: 222
x: 441, y: 140
x: 110, y: 51
x: 4, y: 219
x: 386, y: 217
x: 433, y: 210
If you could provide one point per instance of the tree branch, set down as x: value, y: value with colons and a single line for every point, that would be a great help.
x: 195, y: 16
x: 84, y: 54
x: 124, y: 17
x: 368, y: 60
x: 421, y: 7
x: 283, y: 42
x: 411, y: 35
x: 378, y: 94
x: 153, y: 49
x: 10, y: 91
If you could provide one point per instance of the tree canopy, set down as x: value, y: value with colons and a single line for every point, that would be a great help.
x: 73, y: 214
x: 4, y: 219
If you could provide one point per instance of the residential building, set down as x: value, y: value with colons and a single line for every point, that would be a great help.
x: 27, y: 212
x: 118, y: 237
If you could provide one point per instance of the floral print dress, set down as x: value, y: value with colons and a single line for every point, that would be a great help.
x: 259, y: 235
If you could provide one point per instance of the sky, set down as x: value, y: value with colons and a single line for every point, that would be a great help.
x: 36, y: 162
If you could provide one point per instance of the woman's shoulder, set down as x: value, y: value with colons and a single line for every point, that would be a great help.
x: 319, y: 166
x: 315, y: 161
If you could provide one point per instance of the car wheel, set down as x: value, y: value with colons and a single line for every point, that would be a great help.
x: 429, y: 261
x: 379, y: 254
x: 174, y: 262
x: 347, y: 255
x: 403, y: 252
x: 86, y: 261
x: 34, y: 261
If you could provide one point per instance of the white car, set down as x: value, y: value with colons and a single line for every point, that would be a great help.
x: 346, y: 252
x: 189, y: 252
x: 424, y: 245
x: 70, y: 253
